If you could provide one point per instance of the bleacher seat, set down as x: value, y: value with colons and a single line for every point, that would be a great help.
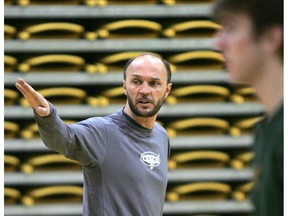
x: 10, y: 63
x: 198, y: 126
x: 10, y: 97
x: 125, y: 2
x: 244, y: 126
x: 199, y: 191
x: 53, y: 194
x: 52, y: 30
x: 9, y: 31
x: 110, y: 96
x: 242, y: 160
x: 243, y: 94
x: 60, y: 95
x: 112, y: 63
x: 11, y: 163
x: 176, y: 2
x: 131, y: 28
x: 52, y: 63
x: 49, y: 162
x: 198, y: 93
x: 240, y: 192
x: 11, y: 129
x: 48, y: 2
x: 11, y: 195
x: 192, y: 29
x: 197, y: 60
x: 198, y: 159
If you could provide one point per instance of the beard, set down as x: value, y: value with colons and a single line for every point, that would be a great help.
x: 140, y: 113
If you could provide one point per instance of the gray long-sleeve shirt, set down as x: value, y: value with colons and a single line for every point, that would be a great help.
x: 124, y: 164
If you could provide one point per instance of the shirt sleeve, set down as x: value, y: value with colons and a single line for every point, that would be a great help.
x: 84, y: 141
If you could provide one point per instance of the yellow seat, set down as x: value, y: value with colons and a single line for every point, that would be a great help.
x: 111, y: 96
x: 198, y: 93
x: 11, y: 195
x: 114, y: 62
x: 134, y: 28
x: 197, y: 60
x: 48, y: 2
x: 60, y: 95
x: 53, y: 194
x: 124, y: 2
x: 53, y: 63
x: 11, y: 163
x: 194, y: 28
x: 31, y: 131
x: 98, y: 101
x: 243, y: 94
x: 241, y: 192
x: 10, y: 97
x: 11, y: 129
x: 198, y: 159
x: 198, y: 126
x: 175, y: 2
x: 199, y: 191
x: 10, y: 63
x: 49, y: 162
x: 242, y: 160
x: 114, y: 92
x: 244, y: 126
x: 52, y: 30
x: 9, y: 31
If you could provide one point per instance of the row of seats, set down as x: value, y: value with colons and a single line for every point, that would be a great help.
x: 194, y: 126
x: 103, y: 2
x: 73, y: 193
x: 196, y: 159
x: 192, y: 60
x: 115, y: 95
x: 129, y: 28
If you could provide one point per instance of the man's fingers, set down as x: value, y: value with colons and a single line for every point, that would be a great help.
x: 25, y: 88
x: 19, y: 87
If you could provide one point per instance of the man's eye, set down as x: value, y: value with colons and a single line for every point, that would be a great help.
x: 154, y: 83
x: 136, y: 81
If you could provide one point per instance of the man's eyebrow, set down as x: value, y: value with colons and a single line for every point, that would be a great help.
x: 139, y: 76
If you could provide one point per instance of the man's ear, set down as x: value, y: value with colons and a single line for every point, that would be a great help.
x: 168, y: 90
x: 273, y: 39
x: 124, y: 87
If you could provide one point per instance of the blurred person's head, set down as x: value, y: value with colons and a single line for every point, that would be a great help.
x: 252, y: 33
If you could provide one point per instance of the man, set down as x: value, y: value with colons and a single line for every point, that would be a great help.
x: 252, y: 43
x: 123, y: 155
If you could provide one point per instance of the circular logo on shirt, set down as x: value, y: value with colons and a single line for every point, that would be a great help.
x: 150, y: 159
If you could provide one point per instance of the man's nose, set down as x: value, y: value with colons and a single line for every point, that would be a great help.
x: 145, y: 89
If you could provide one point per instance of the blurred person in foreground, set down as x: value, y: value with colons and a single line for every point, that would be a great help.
x: 123, y: 155
x: 251, y: 41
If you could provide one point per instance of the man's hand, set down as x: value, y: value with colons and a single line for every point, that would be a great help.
x: 36, y: 100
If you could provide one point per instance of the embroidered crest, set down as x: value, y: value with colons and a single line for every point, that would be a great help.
x: 150, y: 159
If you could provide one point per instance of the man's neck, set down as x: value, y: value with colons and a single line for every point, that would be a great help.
x: 146, y: 122
x: 269, y: 87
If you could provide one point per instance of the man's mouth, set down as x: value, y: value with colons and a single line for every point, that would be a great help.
x: 144, y: 101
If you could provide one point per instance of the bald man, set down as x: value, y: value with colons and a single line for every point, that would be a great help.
x: 123, y: 155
